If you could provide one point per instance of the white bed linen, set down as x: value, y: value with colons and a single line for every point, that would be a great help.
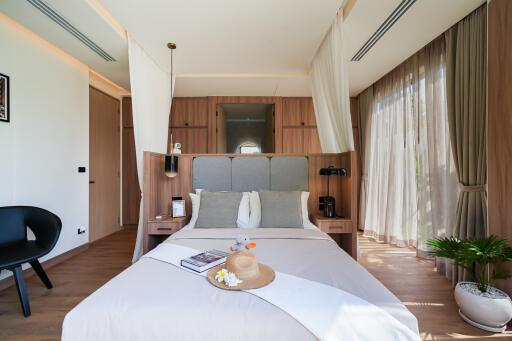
x: 152, y: 300
x: 327, y: 312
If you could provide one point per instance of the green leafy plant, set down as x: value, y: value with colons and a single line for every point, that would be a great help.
x: 471, y: 252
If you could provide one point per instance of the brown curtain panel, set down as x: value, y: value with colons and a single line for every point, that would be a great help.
x: 466, y: 64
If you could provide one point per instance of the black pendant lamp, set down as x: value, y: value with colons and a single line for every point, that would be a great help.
x: 171, y: 161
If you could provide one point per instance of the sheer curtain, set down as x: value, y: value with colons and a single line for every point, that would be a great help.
x: 151, y: 102
x: 411, y: 178
x: 329, y: 85
x: 365, y: 103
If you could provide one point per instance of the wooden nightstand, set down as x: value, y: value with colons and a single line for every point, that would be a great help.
x: 342, y: 230
x: 159, y: 229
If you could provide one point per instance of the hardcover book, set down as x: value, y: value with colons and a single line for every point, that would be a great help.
x: 205, y: 260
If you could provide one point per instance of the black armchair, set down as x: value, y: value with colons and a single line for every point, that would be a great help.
x: 16, y: 250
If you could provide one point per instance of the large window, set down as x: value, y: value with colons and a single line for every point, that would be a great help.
x: 412, y: 185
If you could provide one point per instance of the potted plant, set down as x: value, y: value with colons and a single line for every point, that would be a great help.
x: 480, y: 304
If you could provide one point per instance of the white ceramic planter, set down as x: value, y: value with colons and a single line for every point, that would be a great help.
x: 487, y: 313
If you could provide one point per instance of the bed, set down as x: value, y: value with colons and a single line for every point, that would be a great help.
x: 155, y: 299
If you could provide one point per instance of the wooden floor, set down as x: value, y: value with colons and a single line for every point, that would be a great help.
x: 427, y: 294
x: 73, y: 280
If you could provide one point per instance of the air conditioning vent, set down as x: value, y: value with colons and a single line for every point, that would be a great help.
x: 386, y: 25
x: 62, y: 22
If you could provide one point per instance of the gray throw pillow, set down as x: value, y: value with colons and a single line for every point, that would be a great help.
x: 218, y: 209
x: 281, y: 209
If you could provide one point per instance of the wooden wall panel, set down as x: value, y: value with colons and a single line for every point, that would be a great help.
x: 292, y: 112
x: 293, y: 140
x: 189, y: 112
x: 308, y: 112
x: 131, y: 190
x: 193, y: 140
x: 298, y: 115
x: 127, y: 112
x: 500, y: 123
x: 311, y: 141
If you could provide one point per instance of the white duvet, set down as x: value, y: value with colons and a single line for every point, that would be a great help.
x: 154, y: 300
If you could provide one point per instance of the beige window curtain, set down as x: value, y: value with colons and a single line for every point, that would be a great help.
x: 411, y: 177
x: 151, y: 101
x: 466, y: 45
x: 365, y: 102
x: 329, y: 84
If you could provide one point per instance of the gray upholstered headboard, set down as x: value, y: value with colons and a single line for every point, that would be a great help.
x: 248, y: 173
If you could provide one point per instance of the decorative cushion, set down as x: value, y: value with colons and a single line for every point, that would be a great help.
x: 218, y: 209
x: 281, y: 209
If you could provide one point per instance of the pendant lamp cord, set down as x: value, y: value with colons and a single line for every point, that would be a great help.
x: 172, y: 73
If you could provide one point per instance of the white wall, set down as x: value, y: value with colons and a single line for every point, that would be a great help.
x: 48, y: 136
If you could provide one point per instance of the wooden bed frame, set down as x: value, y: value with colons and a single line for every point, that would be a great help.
x: 159, y: 189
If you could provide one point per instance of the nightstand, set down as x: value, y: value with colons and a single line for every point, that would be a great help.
x: 342, y: 230
x: 159, y: 229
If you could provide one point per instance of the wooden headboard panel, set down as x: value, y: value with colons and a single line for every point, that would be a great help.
x: 159, y: 189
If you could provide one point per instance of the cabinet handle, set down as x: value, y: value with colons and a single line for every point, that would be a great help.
x: 302, y: 123
x: 92, y: 182
x: 186, y: 124
x: 165, y: 228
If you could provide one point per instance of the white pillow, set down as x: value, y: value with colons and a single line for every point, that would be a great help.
x: 255, y: 207
x: 306, y: 223
x: 255, y: 217
x: 243, y: 210
x: 196, y: 202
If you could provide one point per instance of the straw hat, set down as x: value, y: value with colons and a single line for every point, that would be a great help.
x: 246, y: 267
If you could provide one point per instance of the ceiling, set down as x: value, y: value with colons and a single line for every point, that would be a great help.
x: 240, y: 47
x: 231, y: 47
x: 423, y: 22
x: 82, y: 15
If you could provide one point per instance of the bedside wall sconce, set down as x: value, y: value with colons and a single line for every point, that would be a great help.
x: 171, y: 166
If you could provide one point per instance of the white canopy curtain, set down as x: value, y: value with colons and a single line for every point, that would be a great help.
x: 412, y: 185
x: 151, y: 101
x: 329, y: 84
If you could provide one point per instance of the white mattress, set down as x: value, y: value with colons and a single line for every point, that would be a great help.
x: 153, y: 300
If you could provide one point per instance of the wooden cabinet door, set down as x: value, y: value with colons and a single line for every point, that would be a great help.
x: 189, y: 112
x: 292, y: 112
x: 311, y: 141
x: 308, y: 112
x: 197, y: 140
x: 180, y: 135
x: 193, y: 140
x: 293, y: 140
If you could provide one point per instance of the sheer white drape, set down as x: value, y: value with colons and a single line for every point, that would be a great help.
x: 412, y: 185
x: 151, y: 101
x: 329, y: 84
x: 437, y: 179
x: 365, y: 103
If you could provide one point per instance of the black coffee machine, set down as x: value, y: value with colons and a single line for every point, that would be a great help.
x: 328, y: 203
